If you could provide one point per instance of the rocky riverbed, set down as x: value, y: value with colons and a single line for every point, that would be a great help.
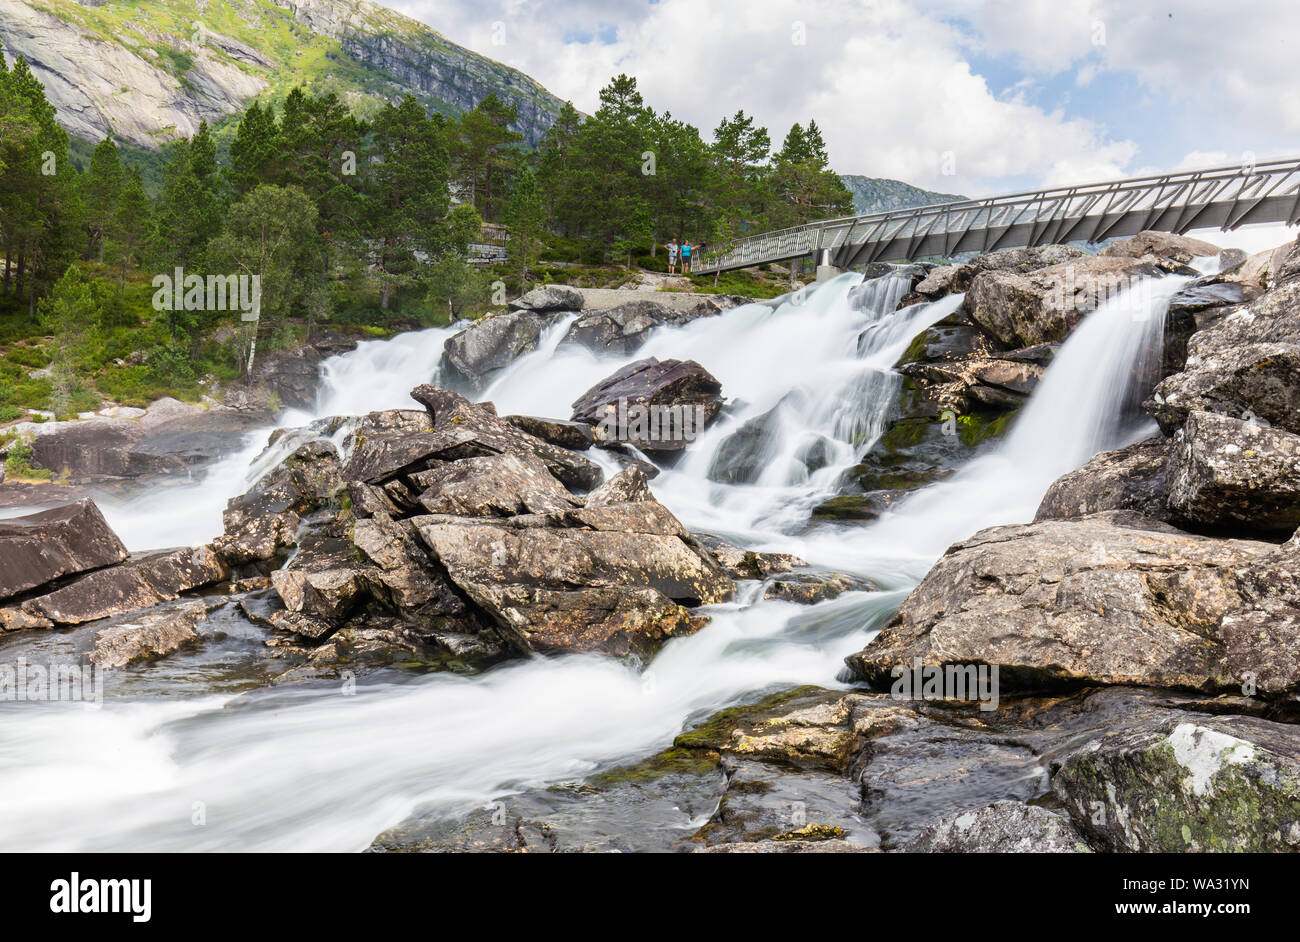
x: 1131, y: 648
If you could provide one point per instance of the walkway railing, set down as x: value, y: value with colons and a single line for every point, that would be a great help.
x: 1224, y: 197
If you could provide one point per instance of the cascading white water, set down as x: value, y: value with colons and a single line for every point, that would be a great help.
x: 378, y: 374
x: 308, y: 768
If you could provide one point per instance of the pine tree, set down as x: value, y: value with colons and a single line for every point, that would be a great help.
x: 526, y: 218
x: 100, y: 187
x: 406, y: 195
x: 189, y: 211
x: 132, y: 221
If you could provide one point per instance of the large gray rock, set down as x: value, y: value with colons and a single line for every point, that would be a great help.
x: 546, y: 298
x: 947, y: 279
x: 1131, y: 478
x: 41, y: 547
x: 486, y: 555
x: 623, y: 330
x: 1229, y: 473
x: 1004, y: 827
x: 658, y: 406
x: 1020, y: 310
x: 1105, y: 599
x: 476, y: 354
x: 1245, y: 365
x: 1199, y: 783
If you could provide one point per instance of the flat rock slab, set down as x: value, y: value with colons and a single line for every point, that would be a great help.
x: 130, y: 587
x: 63, y: 541
x: 155, y: 635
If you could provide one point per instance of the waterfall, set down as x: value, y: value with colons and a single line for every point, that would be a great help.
x: 307, y: 768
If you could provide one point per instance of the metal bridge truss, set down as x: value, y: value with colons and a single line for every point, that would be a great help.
x: 1225, y: 197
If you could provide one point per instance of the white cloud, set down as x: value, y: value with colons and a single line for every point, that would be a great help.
x: 889, y: 81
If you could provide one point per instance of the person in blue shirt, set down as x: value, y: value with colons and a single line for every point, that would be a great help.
x: 686, y: 258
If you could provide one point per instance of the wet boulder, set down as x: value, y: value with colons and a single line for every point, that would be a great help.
x: 130, y: 587
x: 658, y: 406
x: 476, y: 355
x: 1003, y: 827
x: 1225, y: 783
x: 1131, y: 478
x: 809, y: 588
x: 155, y: 635
x: 1106, y: 599
x: 747, y: 564
x: 485, y: 555
x: 38, y: 548
x: 262, y: 522
x: 948, y: 279
x: 1224, y: 472
x: 1246, y: 365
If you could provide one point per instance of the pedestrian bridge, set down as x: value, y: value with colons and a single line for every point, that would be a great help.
x: 1225, y: 197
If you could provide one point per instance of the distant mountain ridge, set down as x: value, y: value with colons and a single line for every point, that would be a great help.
x: 151, y: 70
x: 878, y: 195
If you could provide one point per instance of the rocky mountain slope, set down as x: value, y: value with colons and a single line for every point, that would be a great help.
x: 151, y: 70
x: 877, y: 195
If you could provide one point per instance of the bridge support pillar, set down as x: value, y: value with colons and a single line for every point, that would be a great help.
x: 825, y: 270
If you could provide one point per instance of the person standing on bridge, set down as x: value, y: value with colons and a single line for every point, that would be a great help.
x: 686, y: 258
x: 673, y: 248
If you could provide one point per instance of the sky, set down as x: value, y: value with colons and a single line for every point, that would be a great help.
x: 959, y: 96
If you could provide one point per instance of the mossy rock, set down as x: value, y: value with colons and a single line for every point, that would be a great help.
x: 1215, y: 784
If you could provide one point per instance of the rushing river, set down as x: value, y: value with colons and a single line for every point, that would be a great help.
x: 305, y: 767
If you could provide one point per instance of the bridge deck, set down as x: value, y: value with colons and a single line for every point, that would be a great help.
x: 1225, y: 198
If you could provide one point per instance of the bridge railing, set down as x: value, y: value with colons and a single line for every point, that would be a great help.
x: 1241, y: 186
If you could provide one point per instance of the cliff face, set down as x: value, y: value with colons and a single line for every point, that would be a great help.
x: 150, y: 71
x: 878, y: 195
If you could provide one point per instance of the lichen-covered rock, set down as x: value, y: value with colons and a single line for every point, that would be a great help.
x: 155, y: 635
x: 617, y: 621
x: 479, y: 556
x: 947, y: 279
x: 1131, y: 478
x: 747, y: 564
x: 658, y: 406
x: 1105, y: 599
x: 1004, y: 827
x: 1229, y: 473
x: 1201, y: 783
x: 38, y: 548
